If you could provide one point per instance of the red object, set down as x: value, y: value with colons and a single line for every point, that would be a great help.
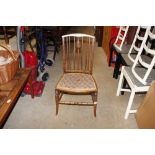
x: 114, y: 31
x: 31, y: 61
x: 113, y: 36
x: 37, y: 86
x: 22, y: 28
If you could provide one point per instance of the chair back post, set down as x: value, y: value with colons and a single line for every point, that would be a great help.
x: 63, y: 53
x: 92, y: 59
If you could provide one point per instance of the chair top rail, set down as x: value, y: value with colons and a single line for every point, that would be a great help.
x: 144, y: 27
x: 123, y: 28
x: 78, y: 35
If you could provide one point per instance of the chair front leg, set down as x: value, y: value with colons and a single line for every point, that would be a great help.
x: 117, y: 66
x: 120, y: 83
x: 130, y: 102
x: 124, y: 85
x: 94, y: 98
x: 57, y: 100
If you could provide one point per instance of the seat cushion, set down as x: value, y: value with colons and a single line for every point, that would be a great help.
x: 141, y: 72
x: 77, y: 83
x: 125, y: 48
x: 126, y: 61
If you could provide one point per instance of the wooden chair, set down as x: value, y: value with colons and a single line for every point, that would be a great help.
x: 7, y: 32
x: 78, y: 54
x: 139, y: 78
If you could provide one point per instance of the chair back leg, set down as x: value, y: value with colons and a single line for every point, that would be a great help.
x: 110, y: 55
x: 117, y: 66
x: 120, y: 83
x: 94, y: 98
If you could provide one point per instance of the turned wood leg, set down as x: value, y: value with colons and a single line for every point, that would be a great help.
x: 95, y: 107
x: 94, y: 97
x: 57, y: 100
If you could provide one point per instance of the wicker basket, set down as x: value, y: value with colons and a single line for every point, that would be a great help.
x: 8, y: 71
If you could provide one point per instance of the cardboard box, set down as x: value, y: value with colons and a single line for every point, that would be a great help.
x: 145, y: 115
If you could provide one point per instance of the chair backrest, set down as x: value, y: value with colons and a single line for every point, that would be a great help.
x: 139, y: 36
x: 78, y: 53
x: 147, y: 48
x: 121, y: 37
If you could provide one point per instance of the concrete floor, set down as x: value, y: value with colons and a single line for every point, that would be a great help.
x: 40, y: 111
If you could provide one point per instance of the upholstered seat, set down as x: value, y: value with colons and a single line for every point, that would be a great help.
x: 125, y: 48
x: 141, y: 72
x: 77, y: 83
x: 128, y: 62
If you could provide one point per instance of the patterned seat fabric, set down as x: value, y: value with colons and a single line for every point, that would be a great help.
x: 76, y: 82
x: 128, y: 62
x: 141, y: 72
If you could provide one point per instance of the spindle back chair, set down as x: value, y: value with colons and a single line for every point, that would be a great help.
x: 78, y: 54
